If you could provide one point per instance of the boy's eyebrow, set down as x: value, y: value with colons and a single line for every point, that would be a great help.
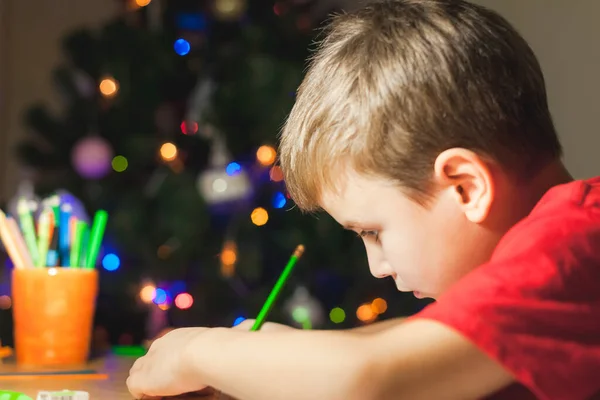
x: 351, y: 225
x: 356, y: 225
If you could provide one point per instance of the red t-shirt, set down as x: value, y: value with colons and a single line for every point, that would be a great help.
x: 535, y: 306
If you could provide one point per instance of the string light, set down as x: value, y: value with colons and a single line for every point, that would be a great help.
x: 279, y: 200
x: 163, y: 306
x: 111, y: 262
x: 337, y: 315
x: 279, y: 8
x: 5, y: 302
x: 304, y: 23
x: 238, y: 321
x: 168, y: 151
x: 142, y: 3
x: 160, y: 296
x: 365, y: 314
x: 184, y: 301
x: 229, y: 256
x: 219, y: 185
x: 228, y: 259
x: 259, y: 216
x: 233, y: 169
x: 276, y: 174
x: 148, y: 293
x: 379, y: 306
x: 109, y: 87
x: 266, y: 155
x: 229, y: 9
x: 119, y: 164
x: 182, y: 47
x: 189, y: 127
x: 164, y: 251
x: 300, y: 314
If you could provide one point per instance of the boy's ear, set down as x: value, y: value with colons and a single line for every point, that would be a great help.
x: 469, y: 179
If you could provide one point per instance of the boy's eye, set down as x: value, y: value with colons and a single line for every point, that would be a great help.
x: 371, y: 234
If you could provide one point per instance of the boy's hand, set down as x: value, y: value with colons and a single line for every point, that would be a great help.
x: 164, y: 370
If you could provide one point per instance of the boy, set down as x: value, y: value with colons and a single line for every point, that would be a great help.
x: 423, y: 126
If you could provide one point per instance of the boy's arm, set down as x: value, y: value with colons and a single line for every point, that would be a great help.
x: 371, y: 328
x: 420, y: 359
x: 378, y: 326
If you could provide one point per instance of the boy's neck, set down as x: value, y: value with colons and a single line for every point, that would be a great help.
x: 519, y: 199
x: 553, y: 174
x: 530, y: 192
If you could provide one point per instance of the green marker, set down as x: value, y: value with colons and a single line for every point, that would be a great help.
x: 96, y: 235
x: 85, y: 241
x: 264, y: 312
x: 43, y: 237
x: 76, y: 246
x: 28, y: 228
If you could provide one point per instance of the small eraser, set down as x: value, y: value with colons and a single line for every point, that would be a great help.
x: 63, y: 395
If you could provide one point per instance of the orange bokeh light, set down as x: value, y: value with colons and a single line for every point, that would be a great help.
x: 148, y: 293
x: 276, y: 174
x: 379, y: 306
x: 109, y: 87
x: 168, y: 151
x: 365, y: 313
x: 259, y: 216
x: 228, y: 257
x: 266, y: 155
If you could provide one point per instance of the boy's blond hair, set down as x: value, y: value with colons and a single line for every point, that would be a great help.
x: 398, y: 82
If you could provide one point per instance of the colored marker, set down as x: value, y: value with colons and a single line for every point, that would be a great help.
x: 44, y: 237
x: 77, y: 245
x: 64, y: 234
x: 10, y: 243
x: 96, y: 235
x: 28, y: 229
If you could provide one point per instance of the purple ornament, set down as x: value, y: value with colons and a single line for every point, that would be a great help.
x: 92, y: 157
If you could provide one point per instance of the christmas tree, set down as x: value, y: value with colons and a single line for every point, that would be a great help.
x: 170, y: 124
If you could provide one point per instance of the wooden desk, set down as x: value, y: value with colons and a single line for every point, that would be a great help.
x: 114, y: 387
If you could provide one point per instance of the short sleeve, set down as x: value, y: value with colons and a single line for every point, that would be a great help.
x: 537, y: 311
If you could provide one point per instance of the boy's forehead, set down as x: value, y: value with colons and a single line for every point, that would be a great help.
x: 354, y: 199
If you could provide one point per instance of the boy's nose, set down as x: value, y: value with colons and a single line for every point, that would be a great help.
x: 378, y: 265
x: 380, y: 269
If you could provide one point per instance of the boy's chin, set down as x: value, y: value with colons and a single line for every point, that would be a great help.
x: 421, y: 295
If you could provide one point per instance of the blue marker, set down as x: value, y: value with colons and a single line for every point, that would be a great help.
x: 64, y: 234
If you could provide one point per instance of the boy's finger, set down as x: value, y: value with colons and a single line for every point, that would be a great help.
x: 245, y: 325
x: 267, y: 327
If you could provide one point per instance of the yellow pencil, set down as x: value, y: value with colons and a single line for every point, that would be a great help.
x: 20, y: 241
x: 10, y: 243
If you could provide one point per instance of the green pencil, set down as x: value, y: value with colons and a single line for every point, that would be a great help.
x: 264, y: 312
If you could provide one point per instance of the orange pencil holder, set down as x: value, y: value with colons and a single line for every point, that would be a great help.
x: 53, y: 311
